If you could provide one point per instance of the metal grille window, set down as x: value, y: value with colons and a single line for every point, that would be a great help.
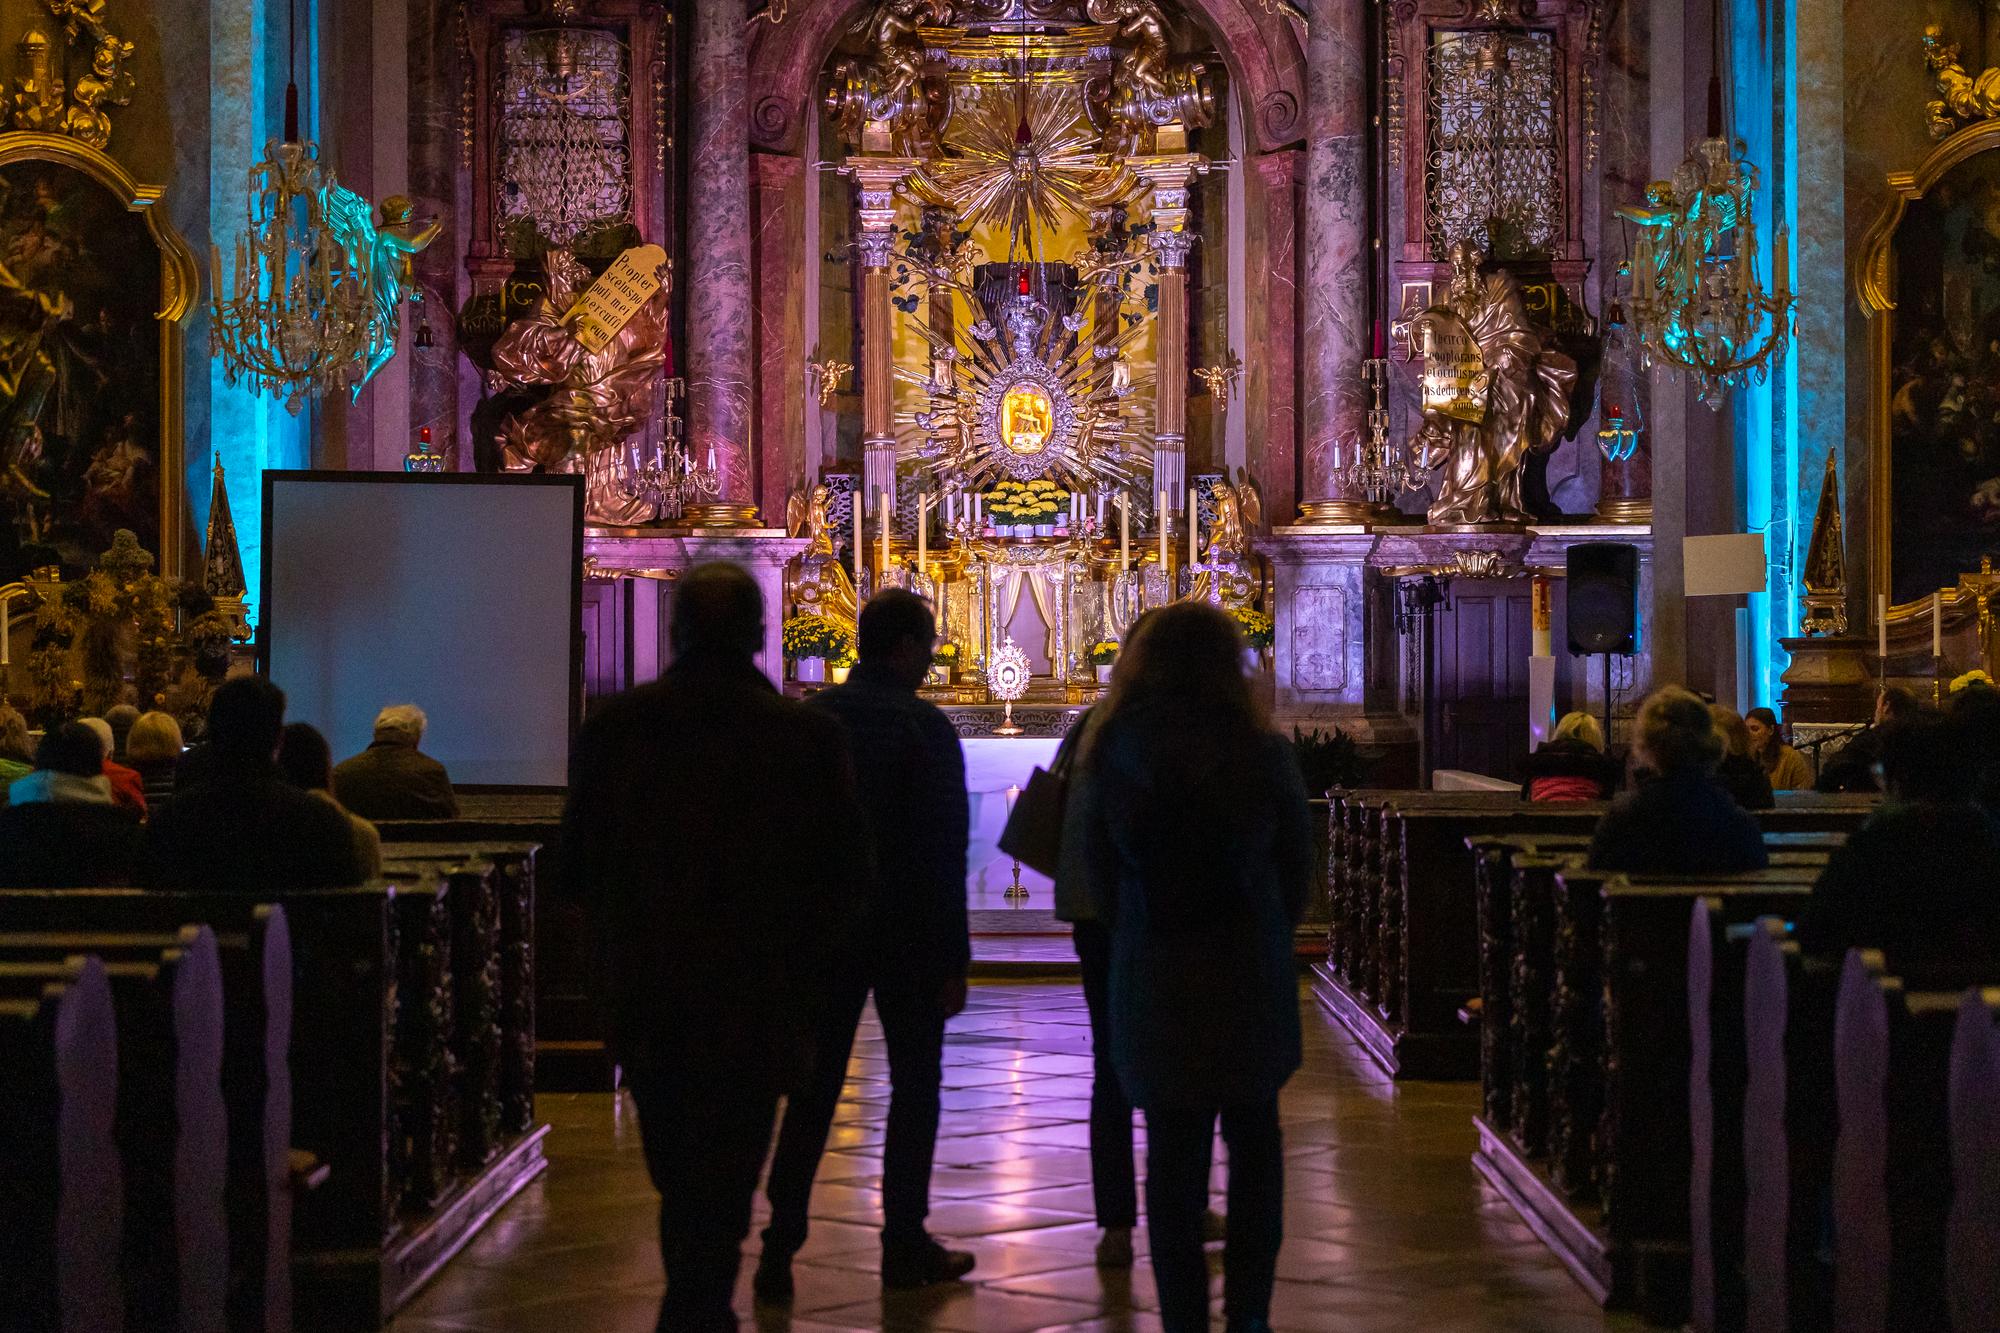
x: 1493, y: 171
x: 565, y: 137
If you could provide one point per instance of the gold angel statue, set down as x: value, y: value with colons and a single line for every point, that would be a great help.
x: 1966, y: 97
x: 887, y: 84
x: 1150, y: 87
x: 1228, y: 572
x: 818, y: 583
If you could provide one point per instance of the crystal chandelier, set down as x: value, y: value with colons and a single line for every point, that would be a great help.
x: 296, y: 320
x: 1697, y: 303
x: 1379, y: 471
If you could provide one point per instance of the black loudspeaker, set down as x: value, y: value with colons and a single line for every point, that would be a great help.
x: 1603, y: 597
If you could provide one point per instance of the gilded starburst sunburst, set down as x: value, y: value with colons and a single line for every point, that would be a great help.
x: 990, y: 172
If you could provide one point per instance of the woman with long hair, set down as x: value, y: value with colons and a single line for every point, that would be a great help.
x: 1189, y: 824
x: 1785, y: 767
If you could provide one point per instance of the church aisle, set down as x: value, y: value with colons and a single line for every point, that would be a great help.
x: 1387, y: 1227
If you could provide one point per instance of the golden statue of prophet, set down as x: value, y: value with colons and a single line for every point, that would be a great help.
x: 1509, y: 394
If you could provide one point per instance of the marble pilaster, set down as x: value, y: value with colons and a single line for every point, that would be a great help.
x: 1272, y: 374
x: 779, y: 201
x: 719, y: 236
x: 1336, y: 258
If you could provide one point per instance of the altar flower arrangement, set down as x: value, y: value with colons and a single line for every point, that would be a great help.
x: 1104, y: 652
x: 1259, y: 631
x: 945, y: 654
x: 808, y: 636
x: 1972, y: 677
x: 1026, y: 503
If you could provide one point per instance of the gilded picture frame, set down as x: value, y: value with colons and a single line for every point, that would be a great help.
x: 1915, y: 200
x: 179, y: 288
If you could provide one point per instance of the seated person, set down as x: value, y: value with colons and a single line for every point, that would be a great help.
x: 127, y: 787
x: 17, y: 752
x: 1975, y: 710
x: 244, y: 829
x: 1786, y: 767
x: 60, y: 829
x: 1571, y: 765
x: 307, y: 763
x: 1852, y: 766
x: 153, y: 749
x: 1678, y: 820
x: 121, y: 718
x: 392, y: 778
x: 1742, y: 775
x: 1921, y: 879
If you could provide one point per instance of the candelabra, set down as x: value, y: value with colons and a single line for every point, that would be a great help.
x: 1380, y: 471
x: 673, y: 481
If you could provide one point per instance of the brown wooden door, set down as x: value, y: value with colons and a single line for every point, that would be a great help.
x: 1482, y: 678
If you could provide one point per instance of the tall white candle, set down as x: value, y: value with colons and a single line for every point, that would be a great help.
x: 860, y: 537
x: 1194, y: 531
x: 978, y: 511
x: 1882, y: 627
x: 883, y: 576
x: 1163, y: 532
x: 923, y: 534
x: 1937, y: 624
x: 1124, y: 533
x: 1100, y: 511
x: 950, y: 509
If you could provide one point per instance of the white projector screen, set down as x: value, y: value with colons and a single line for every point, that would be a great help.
x: 454, y: 592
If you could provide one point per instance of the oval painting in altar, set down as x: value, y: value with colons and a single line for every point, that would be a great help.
x: 1026, y: 419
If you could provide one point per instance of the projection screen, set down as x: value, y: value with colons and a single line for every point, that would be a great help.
x: 456, y: 592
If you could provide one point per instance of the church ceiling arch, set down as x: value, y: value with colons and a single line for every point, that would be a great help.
x: 1260, y: 46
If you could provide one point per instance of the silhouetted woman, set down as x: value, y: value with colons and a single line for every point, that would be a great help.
x: 1191, y: 823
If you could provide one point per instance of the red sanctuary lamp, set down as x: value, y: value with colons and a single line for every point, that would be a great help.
x: 422, y: 456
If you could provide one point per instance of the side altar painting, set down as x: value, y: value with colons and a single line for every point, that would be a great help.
x: 80, y: 367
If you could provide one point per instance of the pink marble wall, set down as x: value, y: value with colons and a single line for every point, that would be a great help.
x: 779, y: 209
x: 1272, y: 441
x: 719, y: 309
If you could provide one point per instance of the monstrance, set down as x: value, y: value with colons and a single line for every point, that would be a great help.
x: 1007, y: 677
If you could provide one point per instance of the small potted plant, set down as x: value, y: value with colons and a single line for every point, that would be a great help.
x: 944, y: 662
x: 1102, y: 654
x: 1259, y: 632
x: 809, y: 641
x: 842, y: 662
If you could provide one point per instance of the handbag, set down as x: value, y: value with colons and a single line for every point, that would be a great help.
x: 1033, y: 835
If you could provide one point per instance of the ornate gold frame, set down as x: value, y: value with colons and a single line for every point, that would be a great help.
x: 1874, y: 280
x: 180, y: 284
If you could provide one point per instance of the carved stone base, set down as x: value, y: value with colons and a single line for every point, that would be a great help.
x: 1831, y: 679
x: 1626, y: 511
x: 723, y: 516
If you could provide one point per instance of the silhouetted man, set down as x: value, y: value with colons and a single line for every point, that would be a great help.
x: 711, y: 832
x: 912, y: 950
x: 244, y: 829
x: 393, y: 778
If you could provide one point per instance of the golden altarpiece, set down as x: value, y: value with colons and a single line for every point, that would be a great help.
x: 1021, y: 218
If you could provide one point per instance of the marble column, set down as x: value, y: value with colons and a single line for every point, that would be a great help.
x: 719, y: 299
x: 875, y: 183
x: 1336, y: 259
x: 1625, y: 486
x: 1271, y: 375
x: 1171, y: 176
x: 781, y: 183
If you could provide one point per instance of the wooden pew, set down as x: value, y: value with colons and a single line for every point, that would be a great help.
x: 1597, y: 1155
x: 1972, y: 1282
x: 255, y: 963
x: 61, y: 1201
x: 170, y: 1125
x: 1892, y: 1160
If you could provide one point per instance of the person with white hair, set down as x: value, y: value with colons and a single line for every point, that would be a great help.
x: 393, y: 778
x: 128, y: 789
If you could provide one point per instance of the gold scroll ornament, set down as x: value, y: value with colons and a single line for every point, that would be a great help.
x: 614, y: 298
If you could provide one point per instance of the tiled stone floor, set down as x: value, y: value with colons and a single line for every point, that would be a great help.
x: 1387, y: 1226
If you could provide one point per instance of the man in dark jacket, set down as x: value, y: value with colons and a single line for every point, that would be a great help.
x: 244, y: 829
x: 912, y: 951
x: 392, y: 778
x: 713, y: 835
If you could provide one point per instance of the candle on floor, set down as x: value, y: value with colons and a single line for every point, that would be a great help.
x: 1882, y: 627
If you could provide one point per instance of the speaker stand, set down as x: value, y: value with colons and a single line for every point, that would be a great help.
x: 1607, y: 703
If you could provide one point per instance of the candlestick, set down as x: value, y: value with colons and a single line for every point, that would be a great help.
x: 1381, y: 349
x: 1937, y: 624
x: 1164, y: 524
x: 1124, y: 532
x: 1194, y: 530
x: 860, y: 537
x: 1882, y: 632
x: 882, y: 575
